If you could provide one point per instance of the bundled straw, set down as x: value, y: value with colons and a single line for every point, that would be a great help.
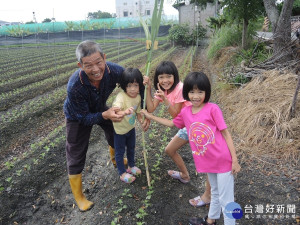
x: 259, y: 113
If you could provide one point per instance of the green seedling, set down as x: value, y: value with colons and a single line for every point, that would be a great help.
x: 125, y: 193
x: 26, y: 167
x: 115, y: 221
x: 9, y: 165
x: 9, y: 179
x: 47, y: 148
x: 120, y: 202
x: 18, y: 172
x: 141, y: 214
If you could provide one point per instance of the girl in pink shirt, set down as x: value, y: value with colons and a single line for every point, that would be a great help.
x: 169, y: 92
x: 211, y: 144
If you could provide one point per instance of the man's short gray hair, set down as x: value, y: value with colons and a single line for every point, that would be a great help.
x: 87, y: 48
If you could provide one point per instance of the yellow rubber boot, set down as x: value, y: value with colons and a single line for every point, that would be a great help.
x: 76, y: 186
x: 112, y: 156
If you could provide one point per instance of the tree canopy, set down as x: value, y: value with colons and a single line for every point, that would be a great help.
x: 47, y: 20
x: 99, y: 15
x: 202, y: 3
x: 295, y: 10
x: 243, y: 10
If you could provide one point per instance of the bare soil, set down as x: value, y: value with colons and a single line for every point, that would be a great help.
x: 43, y: 196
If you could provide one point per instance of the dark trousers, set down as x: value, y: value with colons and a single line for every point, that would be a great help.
x: 77, y: 143
x: 123, y: 141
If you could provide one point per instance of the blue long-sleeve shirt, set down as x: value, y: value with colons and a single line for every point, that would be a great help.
x: 85, y: 103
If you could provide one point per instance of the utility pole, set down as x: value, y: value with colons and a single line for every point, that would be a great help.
x: 34, y: 18
x: 35, y: 23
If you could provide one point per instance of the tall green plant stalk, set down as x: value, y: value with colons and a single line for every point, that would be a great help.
x: 150, y: 38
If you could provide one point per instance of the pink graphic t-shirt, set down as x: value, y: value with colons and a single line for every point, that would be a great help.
x: 209, y: 148
x: 176, y: 96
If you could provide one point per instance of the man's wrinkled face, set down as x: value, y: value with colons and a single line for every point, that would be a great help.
x: 94, y: 66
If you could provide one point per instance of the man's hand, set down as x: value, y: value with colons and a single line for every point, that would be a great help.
x: 111, y: 114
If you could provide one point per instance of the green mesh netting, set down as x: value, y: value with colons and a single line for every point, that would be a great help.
x: 96, y: 24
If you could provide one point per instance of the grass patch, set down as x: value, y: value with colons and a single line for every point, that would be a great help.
x: 225, y: 36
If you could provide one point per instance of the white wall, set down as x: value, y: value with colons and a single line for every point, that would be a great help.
x: 189, y: 14
x: 134, y: 7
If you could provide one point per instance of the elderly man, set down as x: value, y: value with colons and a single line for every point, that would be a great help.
x: 87, y: 92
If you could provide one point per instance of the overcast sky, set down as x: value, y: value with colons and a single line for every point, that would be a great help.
x: 61, y: 10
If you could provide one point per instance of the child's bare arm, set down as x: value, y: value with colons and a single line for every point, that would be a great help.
x: 126, y: 111
x: 235, y: 164
x: 162, y: 121
x: 175, y: 109
x: 151, y: 104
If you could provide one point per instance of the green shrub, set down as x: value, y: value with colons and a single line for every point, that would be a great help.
x: 229, y: 35
x: 182, y: 35
x: 258, y: 24
x: 240, y: 79
x: 201, y: 33
x: 257, y: 53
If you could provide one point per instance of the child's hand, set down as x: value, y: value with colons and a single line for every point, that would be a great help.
x: 145, y: 123
x: 146, y: 114
x: 129, y: 111
x: 235, y: 167
x: 146, y: 81
x: 160, y: 93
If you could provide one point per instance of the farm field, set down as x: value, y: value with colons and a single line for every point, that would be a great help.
x: 34, y: 186
x: 33, y: 83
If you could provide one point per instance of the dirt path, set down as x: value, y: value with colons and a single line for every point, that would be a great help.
x: 45, y: 196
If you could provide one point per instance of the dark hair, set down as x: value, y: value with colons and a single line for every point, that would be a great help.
x: 166, y: 67
x: 199, y: 80
x: 131, y: 75
x: 87, y: 48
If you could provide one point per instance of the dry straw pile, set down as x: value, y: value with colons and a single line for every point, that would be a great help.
x: 258, y: 114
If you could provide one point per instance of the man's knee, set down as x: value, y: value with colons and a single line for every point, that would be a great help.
x: 75, y: 169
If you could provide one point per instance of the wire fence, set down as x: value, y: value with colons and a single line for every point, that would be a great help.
x: 70, y: 36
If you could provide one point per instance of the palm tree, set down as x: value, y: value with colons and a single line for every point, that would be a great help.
x: 216, y: 23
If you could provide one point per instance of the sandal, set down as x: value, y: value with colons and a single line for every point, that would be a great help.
x: 200, y: 221
x: 134, y: 170
x: 127, y: 178
x: 198, y: 202
x: 176, y: 175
